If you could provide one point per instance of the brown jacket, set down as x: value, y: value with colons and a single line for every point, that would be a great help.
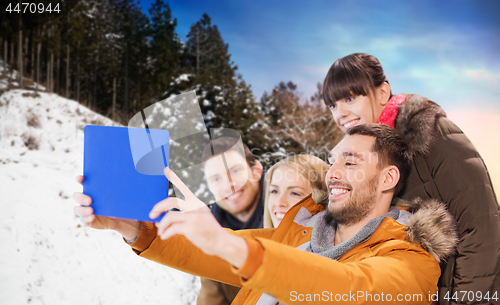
x: 448, y: 168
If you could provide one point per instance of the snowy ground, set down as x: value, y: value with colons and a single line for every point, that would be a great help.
x: 47, y: 256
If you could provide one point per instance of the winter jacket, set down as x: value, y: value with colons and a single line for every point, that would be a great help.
x: 448, y: 168
x: 390, y: 262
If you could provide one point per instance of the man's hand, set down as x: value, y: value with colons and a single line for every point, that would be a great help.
x: 127, y: 228
x: 198, y: 225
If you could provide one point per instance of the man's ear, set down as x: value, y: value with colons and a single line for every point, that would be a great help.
x: 390, y: 177
x: 384, y: 93
x: 257, y: 170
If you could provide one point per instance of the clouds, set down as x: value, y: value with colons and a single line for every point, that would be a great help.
x: 448, y: 64
x: 446, y: 50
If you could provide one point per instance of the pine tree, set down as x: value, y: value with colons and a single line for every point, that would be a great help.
x: 207, y: 61
x: 207, y: 55
x: 165, y: 46
x: 136, y: 33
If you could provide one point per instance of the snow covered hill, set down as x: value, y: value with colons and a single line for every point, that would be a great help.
x: 47, y: 256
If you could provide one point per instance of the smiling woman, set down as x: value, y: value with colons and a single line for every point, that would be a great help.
x: 446, y: 166
x: 290, y: 180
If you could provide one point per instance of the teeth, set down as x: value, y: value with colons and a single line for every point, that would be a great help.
x: 351, y: 123
x: 230, y: 197
x: 337, y: 191
x: 279, y: 215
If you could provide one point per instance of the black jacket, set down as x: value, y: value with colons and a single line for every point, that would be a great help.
x: 447, y: 167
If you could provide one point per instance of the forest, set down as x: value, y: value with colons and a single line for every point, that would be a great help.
x: 113, y: 58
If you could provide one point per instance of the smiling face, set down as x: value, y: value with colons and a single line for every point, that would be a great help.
x: 236, y: 189
x: 353, y: 179
x: 356, y: 110
x: 361, y: 109
x: 356, y: 90
x: 287, y: 187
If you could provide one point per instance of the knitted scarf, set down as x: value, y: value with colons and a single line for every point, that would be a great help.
x: 323, y: 237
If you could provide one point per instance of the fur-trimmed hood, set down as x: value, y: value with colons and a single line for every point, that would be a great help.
x: 417, y: 121
x: 431, y: 226
x: 428, y: 224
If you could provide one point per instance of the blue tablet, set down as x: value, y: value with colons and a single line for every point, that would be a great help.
x: 112, y: 157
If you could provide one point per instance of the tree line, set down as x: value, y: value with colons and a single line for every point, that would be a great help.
x: 113, y: 58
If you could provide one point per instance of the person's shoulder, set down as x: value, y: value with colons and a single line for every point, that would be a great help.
x: 430, y: 227
x: 310, y: 205
x: 302, y: 213
x: 417, y: 120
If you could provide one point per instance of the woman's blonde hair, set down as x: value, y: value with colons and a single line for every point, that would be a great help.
x: 310, y: 167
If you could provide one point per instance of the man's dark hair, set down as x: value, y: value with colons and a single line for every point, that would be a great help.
x: 352, y: 75
x: 390, y: 147
x: 224, y: 144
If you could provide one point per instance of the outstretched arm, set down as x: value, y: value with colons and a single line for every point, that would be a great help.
x: 208, y: 250
x: 198, y: 225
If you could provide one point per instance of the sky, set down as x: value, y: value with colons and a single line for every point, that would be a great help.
x: 444, y: 50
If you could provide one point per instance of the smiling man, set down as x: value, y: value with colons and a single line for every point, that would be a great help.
x: 356, y: 247
x: 234, y: 177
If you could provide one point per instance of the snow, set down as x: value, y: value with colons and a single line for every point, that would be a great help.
x: 210, y: 115
x: 183, y: 78
x: 48, y: 256
x: 113, y: 36
x: 6, y: 75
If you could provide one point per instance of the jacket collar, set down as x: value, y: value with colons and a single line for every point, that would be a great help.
x: 417, y: 121
x: 430, y: 225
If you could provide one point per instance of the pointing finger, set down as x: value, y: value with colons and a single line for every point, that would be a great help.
x: 178, y: 183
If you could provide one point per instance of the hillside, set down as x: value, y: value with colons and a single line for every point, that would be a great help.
x: 48, y: 257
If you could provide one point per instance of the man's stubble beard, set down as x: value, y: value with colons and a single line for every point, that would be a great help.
x: 253, y: 201
x: 357, y: 206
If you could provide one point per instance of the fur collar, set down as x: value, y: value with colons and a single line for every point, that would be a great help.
x: 417, y: 121
x: 431, y: 226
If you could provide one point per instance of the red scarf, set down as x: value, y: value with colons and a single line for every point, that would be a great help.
x: 390, y: 112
